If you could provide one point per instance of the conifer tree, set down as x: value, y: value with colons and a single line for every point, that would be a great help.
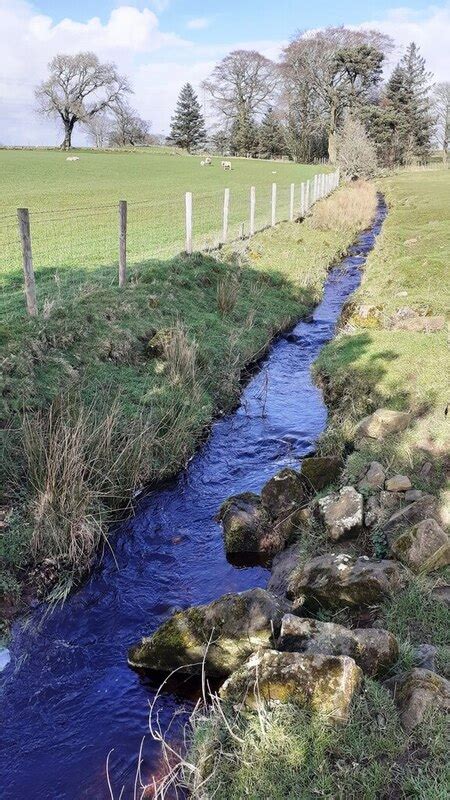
x: 408, y: 107
x: 271, y: 137
x: 188, y: 125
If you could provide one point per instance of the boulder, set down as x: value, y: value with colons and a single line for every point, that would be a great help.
x: 424, y: 656
x: 342, y: 513
x: 284, y: 493
x: 383, y: 422
x: 410, y: 514
x: 338, y: 581
x: 424, y: 548
x: 320, y: 471
x: 323, y: 684
x: 412, y: 495
x: 419, y: 323
x: 373, y: 478
x: 418, y: 691
x: 246, y: 524
x: 222, y: 634
x: 442, y: 594
x: 381, y: 506
x: 373, y: 649
x: 283, y: 565
x: 398, y: 483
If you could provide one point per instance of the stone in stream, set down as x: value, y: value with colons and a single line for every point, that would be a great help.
x: 340, y: 581
x: 373, y: 478
x: 323, y: 684
x: 221, y: 634
x: 398, y: 483
x: 342, y: 513
x: 284, y: 498
x: 283, y: 565
x: 418, y: 691
x: 374, y: 650
x: 424, y: 548
x: 246, y: 525
x: 382, y: 422
x: 319, y: 471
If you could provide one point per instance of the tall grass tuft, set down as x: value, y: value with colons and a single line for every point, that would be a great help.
x: 353, y: 207
x: 227, y: 295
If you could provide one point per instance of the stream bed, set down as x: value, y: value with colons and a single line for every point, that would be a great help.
x: 67, y: 696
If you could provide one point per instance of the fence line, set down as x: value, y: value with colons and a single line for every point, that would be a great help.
x: 195, y: 226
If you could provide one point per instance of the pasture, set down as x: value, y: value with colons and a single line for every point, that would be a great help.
x: 73, y: 205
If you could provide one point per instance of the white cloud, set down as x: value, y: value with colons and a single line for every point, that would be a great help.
x: 198, y: 24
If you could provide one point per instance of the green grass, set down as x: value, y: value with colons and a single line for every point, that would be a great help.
x: 73, y: 206
x: 94, y: 410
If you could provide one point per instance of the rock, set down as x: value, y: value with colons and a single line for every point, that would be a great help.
x: 427, y: 506
x: 337, y: 581
x: 366, y: 316
x: 373, y: 478
x: 418, y: 323
x: 342, y: 513
x: 223, y: 634
x: 383, y: 422
x: 380, y: 507
x: 416, y: 692
x: 442, y: 594
x: 245, y: 523
x: 427, y: 470
x: 424, y: 548
x: 374, y: 650
x: 324, y: 684
x: 398, y: 483
x: 424, y: 656
x: 412, y: 495
x: 320, y: 471
x: 283, y: 565
x: 284, y: 493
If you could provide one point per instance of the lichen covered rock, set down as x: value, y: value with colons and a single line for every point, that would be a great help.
x: 319, y: 471
x: 323, y: 684
x: 221, y: 634
x: 382, y: 422
x: 246, y: 524
x: 342, y: 513
x: 417, y: 692
x: 283, y: 493
x: 374, y: 650
x: 337, y: 581
x: 424, y: 548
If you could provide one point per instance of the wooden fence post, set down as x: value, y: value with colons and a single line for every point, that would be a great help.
x: 274, y: 205
x: 188, y: 205
x: 252, y: 210
x: 27, y: 258
x: 302, y: 200
x: 307, y: 196
x: 291, y: 202
x: 122, y: 242
x: 226, y: 211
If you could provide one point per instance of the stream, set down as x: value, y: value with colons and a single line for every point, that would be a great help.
x: 68, y: 696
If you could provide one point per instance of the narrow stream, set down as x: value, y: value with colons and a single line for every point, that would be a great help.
x: 68, y: 696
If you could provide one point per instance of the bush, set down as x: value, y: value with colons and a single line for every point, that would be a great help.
x: 357, y: 156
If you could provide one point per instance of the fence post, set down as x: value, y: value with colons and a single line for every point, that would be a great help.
x: 291, y: 203
x: 122, y: 242
x: 27, y: 258
x: 226, y: 210
x: 274, y: 205
x: 302, y: 200
x: 314, y: 190
x: 252, y: 210
x: 188, y: 204
x: 307, y: 196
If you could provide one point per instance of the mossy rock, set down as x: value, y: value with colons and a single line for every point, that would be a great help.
x: 319, y: 471
x: 247, y: 527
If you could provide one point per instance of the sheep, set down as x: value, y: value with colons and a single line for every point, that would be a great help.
x: 226, y: 164
x: 207, y: 161
x: 72, y: 158
x: 202, y: 163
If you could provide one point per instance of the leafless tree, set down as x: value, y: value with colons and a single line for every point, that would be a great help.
x: 339, y: 67
x: 243, y: 82
x: 442, y: 111
x: 78, y: 88
x: 98, y: 129
x: 356, y: 153
x: 128, y: 128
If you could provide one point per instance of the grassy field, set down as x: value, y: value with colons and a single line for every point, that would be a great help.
x: 108, y: 389
x: 73, y: 206
x: 282, y: 753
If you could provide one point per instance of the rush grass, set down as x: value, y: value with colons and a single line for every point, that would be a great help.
x: 110, y: 389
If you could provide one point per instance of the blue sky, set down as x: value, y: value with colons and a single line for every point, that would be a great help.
x: 160, y: 44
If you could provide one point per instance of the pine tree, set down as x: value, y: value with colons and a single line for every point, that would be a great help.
x: 188, y: 125
x: 271, y: 136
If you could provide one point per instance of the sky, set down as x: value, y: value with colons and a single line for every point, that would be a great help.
x: 161, y: 44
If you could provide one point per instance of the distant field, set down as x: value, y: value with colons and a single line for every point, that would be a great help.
x: 73, y: 206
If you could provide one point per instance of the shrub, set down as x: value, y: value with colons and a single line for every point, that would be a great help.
x: 357, y: 156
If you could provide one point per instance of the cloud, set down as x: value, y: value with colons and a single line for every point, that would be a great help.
x: 198, y: 24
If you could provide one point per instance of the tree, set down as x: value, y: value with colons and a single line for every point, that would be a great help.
x: 128, y: 129
x: 98, y: 129
x: 78, y: 88
x: 188, y: 125
x: 271, y: 140
x: 243, y: 134
x: 442, y: 111
x: 333, y: 70
x: 356, y: 153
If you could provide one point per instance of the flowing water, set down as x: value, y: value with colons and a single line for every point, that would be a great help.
x: 68, y: 696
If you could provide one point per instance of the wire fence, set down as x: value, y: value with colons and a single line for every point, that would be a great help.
x: 88, y: 238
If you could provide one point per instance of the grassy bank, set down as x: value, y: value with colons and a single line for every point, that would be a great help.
x: 283, y: 753
x: 109, y: 389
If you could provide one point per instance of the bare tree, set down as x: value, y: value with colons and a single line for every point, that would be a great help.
x: 78, y: 88
x: 98, y: 129
x: 128, y: 128
x: 356, y: 153
x: 340, y: 67
x: 442, y: 110
x: 243, y: 82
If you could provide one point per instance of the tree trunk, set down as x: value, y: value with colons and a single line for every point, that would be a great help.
x: 445, y: 153
x: 66, y: 143
x: 332, y: 137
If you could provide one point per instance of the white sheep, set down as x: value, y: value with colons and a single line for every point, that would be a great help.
x: 72, y: 158
x: 207, y: 162
x: 226, y: 164
x: 202, y: 163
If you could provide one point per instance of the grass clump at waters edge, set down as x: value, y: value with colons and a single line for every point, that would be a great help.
x: 110, y: 389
